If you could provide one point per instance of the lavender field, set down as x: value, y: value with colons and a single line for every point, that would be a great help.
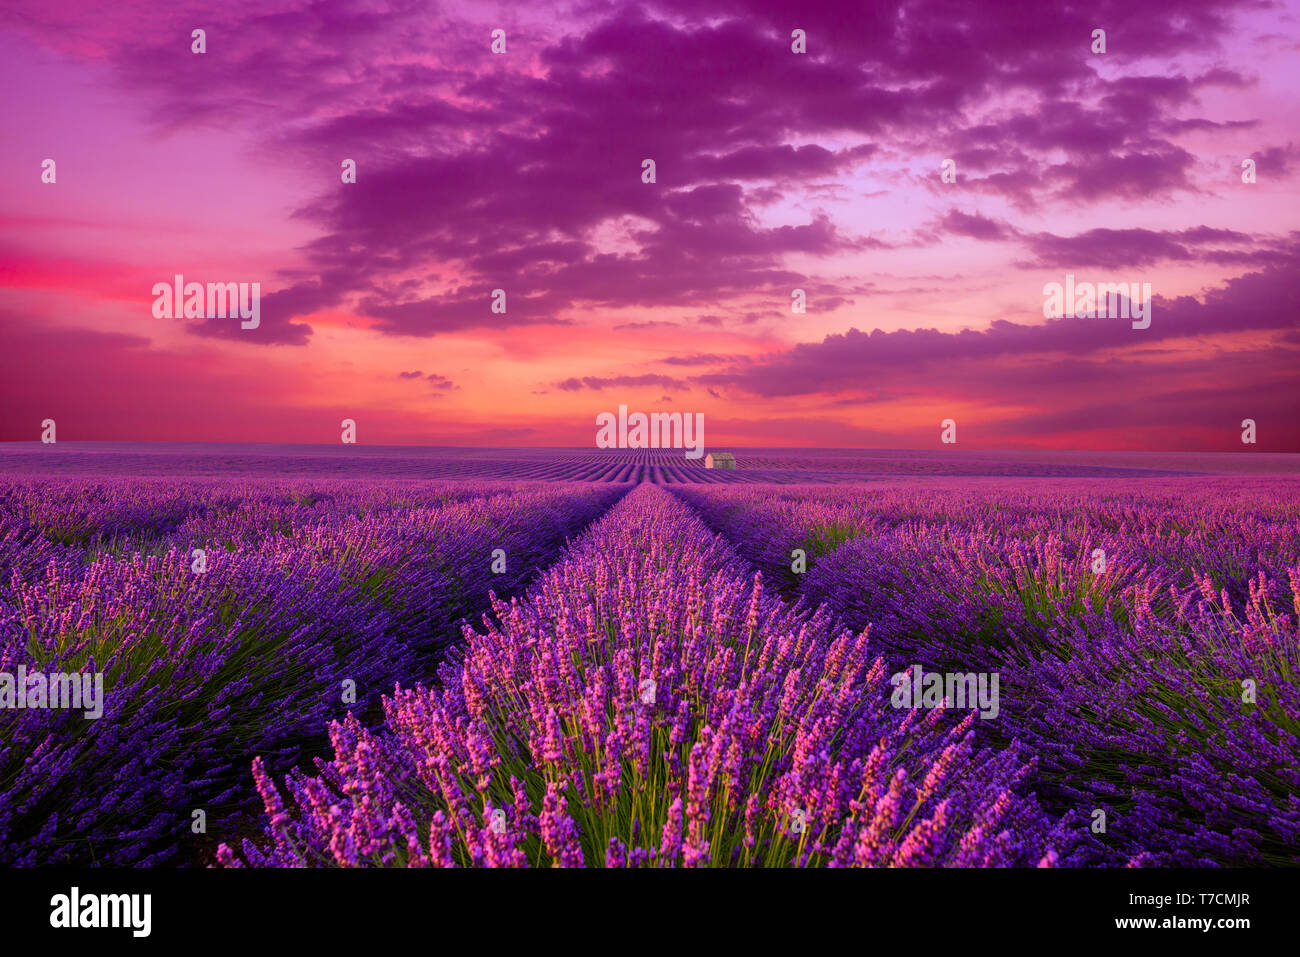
x: 550, y: 657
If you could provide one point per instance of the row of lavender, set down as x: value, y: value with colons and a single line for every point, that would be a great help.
x: 230, y: 619
x: 648, y: 704
x: 1145, y: 636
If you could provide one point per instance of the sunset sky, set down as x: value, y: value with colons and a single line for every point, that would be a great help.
x: 775, y: 171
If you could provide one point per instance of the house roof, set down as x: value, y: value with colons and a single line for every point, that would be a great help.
x: 721, y: 455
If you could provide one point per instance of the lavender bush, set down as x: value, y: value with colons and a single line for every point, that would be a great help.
x: 650, y: 700
x: 648, y: 705
x: 205, y: 670
x: 1127, y: 682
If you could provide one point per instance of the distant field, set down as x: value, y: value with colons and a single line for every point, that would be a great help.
x: 658, y: 466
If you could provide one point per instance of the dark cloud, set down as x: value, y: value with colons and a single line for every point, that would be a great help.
x: 1264, y: 302
x: 626, y: 381
x: 504, y: 176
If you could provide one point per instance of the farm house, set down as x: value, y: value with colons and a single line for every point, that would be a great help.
x: 719, y: 460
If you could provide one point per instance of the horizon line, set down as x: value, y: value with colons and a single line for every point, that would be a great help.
x: 5, y: 443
